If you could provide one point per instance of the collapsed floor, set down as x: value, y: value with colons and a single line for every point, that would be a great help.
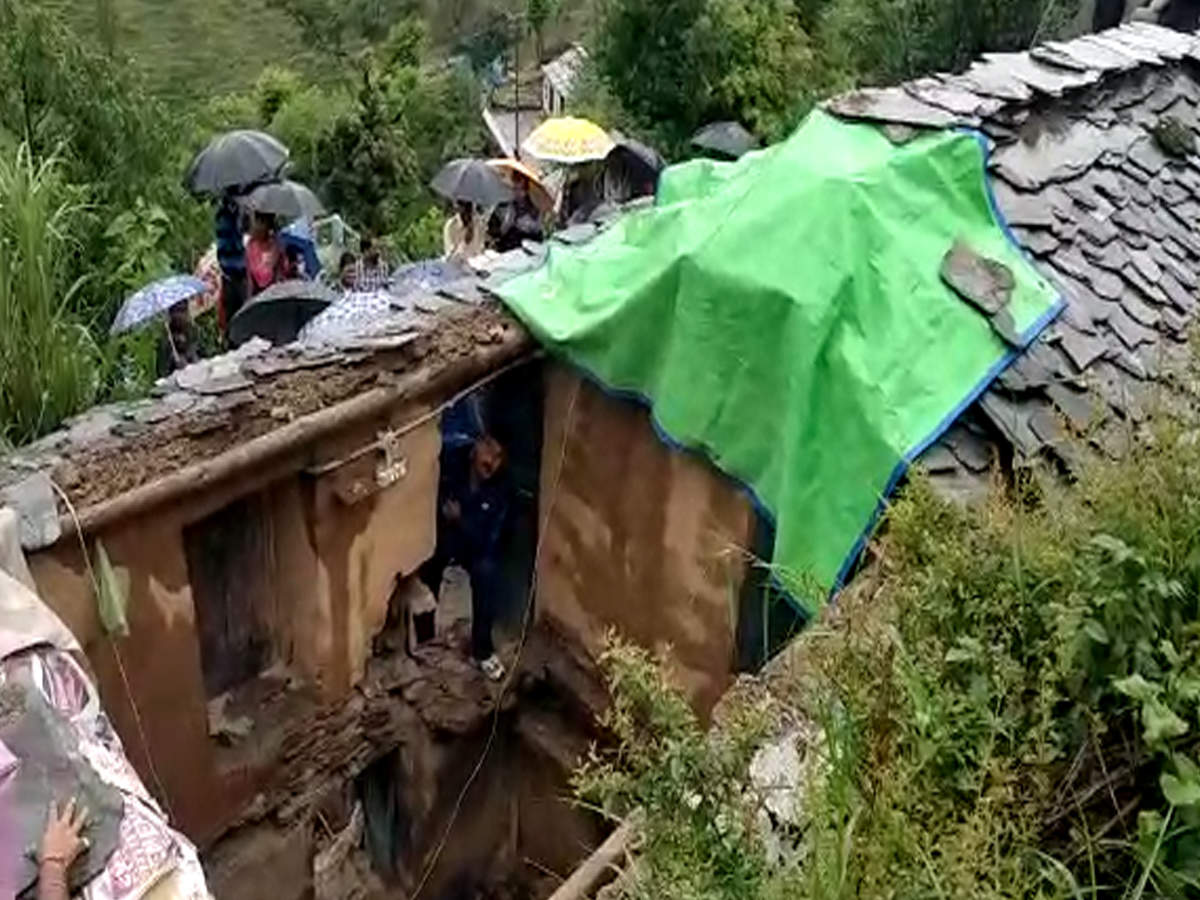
x: 430, y: 781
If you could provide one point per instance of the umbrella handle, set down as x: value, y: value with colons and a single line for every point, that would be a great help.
x: 171, y: 343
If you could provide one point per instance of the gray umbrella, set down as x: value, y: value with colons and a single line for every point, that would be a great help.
x: 636, y: 161
x: 727, y: 139
x: 289, y: 199
x: 236, y: 159
x: 279, y: 312
x: 472, y: 181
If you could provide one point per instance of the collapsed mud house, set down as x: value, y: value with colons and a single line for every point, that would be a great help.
x: 265, y: 509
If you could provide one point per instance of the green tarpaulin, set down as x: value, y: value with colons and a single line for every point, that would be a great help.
x: 785, y: 316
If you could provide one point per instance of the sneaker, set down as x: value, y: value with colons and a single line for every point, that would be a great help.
x: 492, y: 667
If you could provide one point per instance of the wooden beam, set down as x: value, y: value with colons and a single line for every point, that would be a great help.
x: 422, y: 385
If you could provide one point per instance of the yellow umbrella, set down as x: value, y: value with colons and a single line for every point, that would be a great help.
x: 568, y: 141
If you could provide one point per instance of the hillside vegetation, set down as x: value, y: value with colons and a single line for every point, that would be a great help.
x: 107, y: 100
x: 1006, y: 705
x: 191, y: 51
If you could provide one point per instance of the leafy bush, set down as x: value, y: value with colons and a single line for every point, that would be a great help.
x: 884, y: 41
x: 700, y: 839
x: 675, y: 65
x: 121, y: 149
x: 1008, y: 705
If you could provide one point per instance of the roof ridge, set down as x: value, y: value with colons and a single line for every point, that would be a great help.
x: 996, y: 81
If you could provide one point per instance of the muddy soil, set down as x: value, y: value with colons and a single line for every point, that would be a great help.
x: 139, y: 453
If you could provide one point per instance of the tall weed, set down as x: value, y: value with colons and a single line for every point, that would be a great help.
x: 48, y: 361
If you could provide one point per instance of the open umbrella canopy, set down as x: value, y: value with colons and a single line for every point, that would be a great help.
x: 280, y: 312
x: 236, y: 159
x: 634, y: 165
x: 568, y: 141
x: 472, y: 181
x: 638, y: 157
x: 289, y: 199
x: 299, y: 236
x: 356, y: 314
x: 728, y: 139
x: 155, y: 298
x: 512, y: 169
x: 425, y: 276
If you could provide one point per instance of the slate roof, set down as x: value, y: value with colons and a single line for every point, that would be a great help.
x: 563, y: 71
x: 1102, y: 211
x: 216, y: 404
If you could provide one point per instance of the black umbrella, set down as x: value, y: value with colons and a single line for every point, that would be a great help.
x: 279, y: 312
x: 289, y: 199
x: 236, y: 159
x: 472, y: 181
x: 636, y: 162
x: 727, y: 139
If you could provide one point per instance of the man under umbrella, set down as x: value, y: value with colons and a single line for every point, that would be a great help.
x: 231, y: 254
x: 231, y: 163
x: 470, y: 184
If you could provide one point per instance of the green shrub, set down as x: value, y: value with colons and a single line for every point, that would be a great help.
x: 675, y: 65
x: 700, y: 841
x: 884, y: 41
x: 1008, y: 705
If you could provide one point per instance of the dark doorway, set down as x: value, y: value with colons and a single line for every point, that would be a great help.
x: 229, y: 566
x: 768, y: 620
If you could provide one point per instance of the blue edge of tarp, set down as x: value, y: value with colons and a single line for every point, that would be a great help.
x: 1027, y: 337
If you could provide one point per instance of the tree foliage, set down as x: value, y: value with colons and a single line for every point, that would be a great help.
x: 64, y: 98
x: 674, y: 65
x: 370, y: 146
x: 342, y: 27
x: 539, y: 14
x: 884, y: 41
x: 678, y: 64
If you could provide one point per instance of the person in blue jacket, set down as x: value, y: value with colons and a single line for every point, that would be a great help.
x: 474, y: 496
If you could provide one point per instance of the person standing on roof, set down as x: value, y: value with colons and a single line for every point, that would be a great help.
x: 231, y: 255
x: 473, y: 496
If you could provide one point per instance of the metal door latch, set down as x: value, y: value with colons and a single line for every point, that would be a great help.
x: 393, y: 466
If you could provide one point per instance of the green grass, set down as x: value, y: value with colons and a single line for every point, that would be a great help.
x: 195, y: 49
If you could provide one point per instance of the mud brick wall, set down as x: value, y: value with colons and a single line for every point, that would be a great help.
x: 323, y: 555
x: 639, y: 536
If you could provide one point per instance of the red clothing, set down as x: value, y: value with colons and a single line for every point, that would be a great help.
x: 266, y: 263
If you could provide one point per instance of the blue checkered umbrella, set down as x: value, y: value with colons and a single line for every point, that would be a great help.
x: 425, y: 276
x: 156, y: 298
x: 356, y: 314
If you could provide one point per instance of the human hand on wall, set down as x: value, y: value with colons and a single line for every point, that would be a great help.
x: 62, y: 842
